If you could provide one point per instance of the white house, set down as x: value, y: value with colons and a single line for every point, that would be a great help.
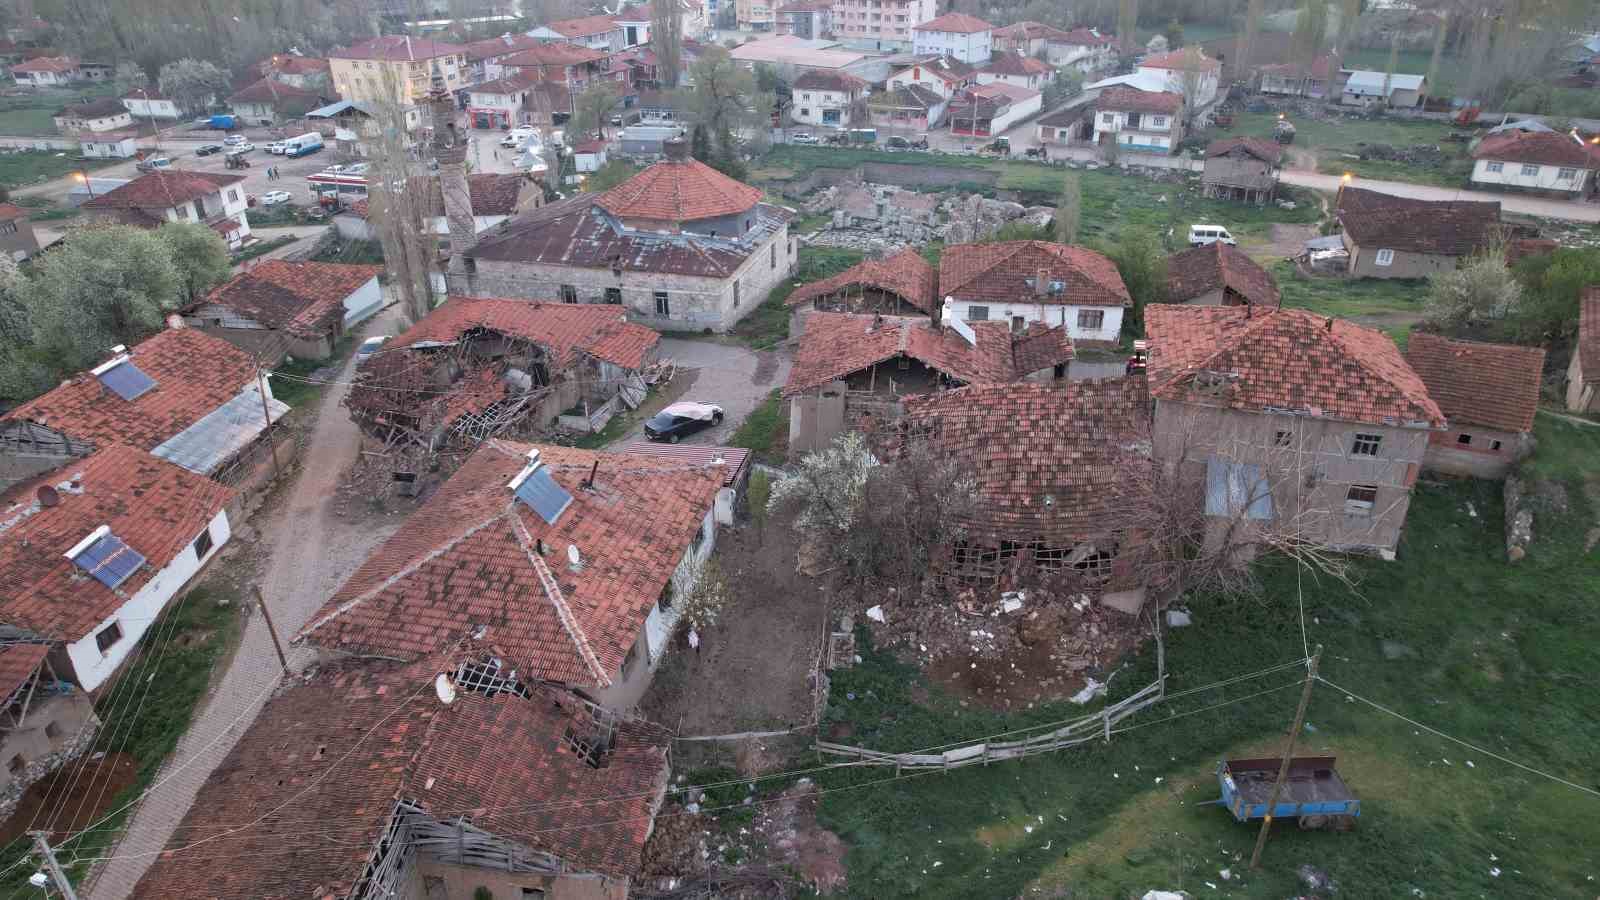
x: 589, y: 156
x: 1017, y: 70
x: 825, y: 98
x: 1550, y: 162
x: 967, y: 38
x: 47, y: 71
x: 1188, y: 72
x: 96, y: 550
x: 1364, y: 87
x: 110, y: 145
x: 634, y: 22
x: 179, y: 195
x: 944, y: 75
x: 595, y: 32
x: 1083, y: 49
x: 1024, y: 282
x: 95, y: 116
x: 149, y: 104
x: 1139, y: 121
x: 992, y: 109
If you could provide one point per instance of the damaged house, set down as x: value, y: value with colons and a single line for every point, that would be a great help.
x: 1399, y: 237
x: 1489, y: 394
x: 904, y: 284
x: 569, y: 562
x: 855, y: 371
x: 476, y: 367
x: 1022, y: 283
x: 299, y: 308
x: 1243, y: 169
x: 1219, y: 274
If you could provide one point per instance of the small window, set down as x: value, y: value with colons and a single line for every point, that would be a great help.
x: 977, y: 314
x: 1282, y: 438
x: 1528, y: 169
x: 1566, y: 174
x: 202, y: 544
x: 1091, y: 319
x: 746, y: 224
x: 1158, y: 121
x: 1360, y: 500
x: 1495, y: 167
x: 736, y: 295
x: 1494, y: 445
x: 1019, y: 324
x: 107, y: 637
x: 52, y: 730
x: 614, y: 296
x: 663, y: 307
x: 17, y: 764
x: 1108, y: 118
x: 1463, y: 439
x: 772, y: 255
x: 1060, y: 371
x: 1366, y: 444
x: 1385, y: 257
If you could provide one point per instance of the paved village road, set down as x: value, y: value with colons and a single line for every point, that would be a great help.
x: 1522, y: 204
x: 310, y: 553
x: 735, y: 378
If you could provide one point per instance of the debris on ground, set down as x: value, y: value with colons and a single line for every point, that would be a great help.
x: 1415, y: 154
x: 1317, y: 880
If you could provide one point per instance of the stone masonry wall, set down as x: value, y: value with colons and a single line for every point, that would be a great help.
x: 44, y: 765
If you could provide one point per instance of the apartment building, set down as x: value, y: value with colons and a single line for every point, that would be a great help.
x: 880, y: 24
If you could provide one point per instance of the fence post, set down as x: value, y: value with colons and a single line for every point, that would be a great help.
x: 1105, y: 714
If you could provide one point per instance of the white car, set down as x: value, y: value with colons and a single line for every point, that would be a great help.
x: 233, y: 140
x: 277, y: 147
x: 244, y: 147
x: 1203, y: 235
x: 804, y: 137
x: 273, y: 198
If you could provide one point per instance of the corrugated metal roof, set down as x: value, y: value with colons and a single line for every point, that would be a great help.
x: 221, y: 433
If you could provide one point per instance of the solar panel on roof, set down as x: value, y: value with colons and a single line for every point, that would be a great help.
x: 126, y: 379
x: 543, y: 495
x: 109, y: 560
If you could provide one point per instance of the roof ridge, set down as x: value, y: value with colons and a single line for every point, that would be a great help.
x: 1360, y: 354
x: 552, y: 590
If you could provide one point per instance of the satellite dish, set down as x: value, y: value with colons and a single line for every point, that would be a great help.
x: 574, y: 558
x: 48, y: 497
x: 445, y: 688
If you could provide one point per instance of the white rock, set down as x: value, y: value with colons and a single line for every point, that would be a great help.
x: 1178, y: 618
x: 875, y: 613
x: 1091, y: 690
x: 1165, y: 895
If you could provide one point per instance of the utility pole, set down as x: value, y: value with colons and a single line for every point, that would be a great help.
x: 266, y: 418
x: 41, y: 842
x: 266, y: 616
x: 1288, y: 753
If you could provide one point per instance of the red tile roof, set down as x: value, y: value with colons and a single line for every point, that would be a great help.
x: 1442, y: 227
x: 271, y: 90
x: 905, y: 274
x: 393, y: 47
x: 679, y: 191
x: 289, y: 64
x: 1129, y: 99
x: 1201, y: 270
x: 10, y: 212
x: 1181, y: 59
x: 163, y: 189
x: 340, y: 748
x: 584, y: 26
x: 1000, y: 272
x: 1083, y: 37
x: 1029, y: 31
x: 1320, y: 67
x: 1489, y: 385
x: 515, y: 83
x: 194, y: 373
x: 1270, y: 152
x: 1550, y: 148
x: 18, y: 662
x: 955, y: 23
x: 730, y: 461
x: 1016, y: 64
x: 836, y: 345
x: 1287, y: 359
x: 552, y: 55
x: 57, y: 64
x: 818, y: 80
x: 1588, y: 343
x: 1044, y: 457
x: 153, y: 506
x: 94, y: 109
x: 468, y: 560
x: 489, y: 48
x: 600, y: 330
x: 305, y: 299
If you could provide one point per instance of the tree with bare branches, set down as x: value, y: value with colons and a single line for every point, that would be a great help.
x: 666, y: 39
x: 410, y: 252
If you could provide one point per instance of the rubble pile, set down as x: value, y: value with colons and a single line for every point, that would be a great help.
x: 880, y: 219
x: 1417, y: 154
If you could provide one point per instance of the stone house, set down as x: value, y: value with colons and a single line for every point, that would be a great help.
x: 1219, y: 274
x: 826, y: 98
x: 904, y: 284
x: 567, y: 795
x: 1022, y: 283
x: 299, y: 308
x: 679, y: 245
x: 46, y: 722
x: 1314, y: 427
x: 107, y: 114
x: 577, y: 558
x: 1139, y: 121
x: 1583, y: 373
x: 1243, y: 169
x: 1555, y: 164
x: 1398, y: 237
x: 1319, y: 80
x: 1488, y: 393
x: 967, y: 38
x: 178, y: 195
x: 854, y: 371
x: 17, y: 239
x: 135, y: 529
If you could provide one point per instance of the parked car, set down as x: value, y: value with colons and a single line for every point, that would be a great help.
x: 234, y: 140
x: 370, y: 346
x: 276, y: 148
x: 616, y: 120
x: 804, y: 137
x: 1201, y: 235
x: 244, y: 147
x: 153, y: 163
x: 679, y: 420
x: 208, y: 149
x: 273, y: 198
x: 900, y: 143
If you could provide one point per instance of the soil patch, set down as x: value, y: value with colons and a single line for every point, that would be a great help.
x: 1284, y: 242
x: 753, y: 670
x: 77, y: 794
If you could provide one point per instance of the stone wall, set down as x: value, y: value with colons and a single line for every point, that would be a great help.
x: 43, y: 765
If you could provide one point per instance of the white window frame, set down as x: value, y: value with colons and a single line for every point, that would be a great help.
x: 1495, y: 167
x: 1529, y: 170
x: 1566, y: 173
x: 1361, y: 508
x: 1385, y: 257
x: 977, y: 313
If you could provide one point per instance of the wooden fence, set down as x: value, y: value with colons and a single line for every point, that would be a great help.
x: 1078, y: 731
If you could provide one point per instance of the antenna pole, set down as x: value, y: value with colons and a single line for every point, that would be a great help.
x: 41, y: 842
x: 266, y: 616
x: 1288, y: 754
x: 266, y: 418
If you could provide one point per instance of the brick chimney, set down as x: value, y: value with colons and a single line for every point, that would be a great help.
x: 449, y: 149
x: 676, y: 149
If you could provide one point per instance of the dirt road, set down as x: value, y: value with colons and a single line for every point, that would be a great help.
x: 310, y: 552
x: 735, y: 378
x: 1523, y: 204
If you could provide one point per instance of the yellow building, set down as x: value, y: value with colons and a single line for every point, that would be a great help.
x: 366, y: 72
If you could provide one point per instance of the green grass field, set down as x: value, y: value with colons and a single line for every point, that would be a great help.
x: 1450, y: 634
x: 34, y: 113
x: 1391, y: 306
x: 21, y: 169
x: 1332, y: 139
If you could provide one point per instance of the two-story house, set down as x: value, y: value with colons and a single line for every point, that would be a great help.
x: 396, y: 68
x: 499, y: 103
x: 483, y: 56
x: 1547, y: 162
x: 595, y: 32
x: 991, y: 109
x: 96, y: 116
x: 1282, y: 419
x: 1017, y: 70
x: 810, y: 19
x: 1188, y: 73
x: 148, y: 103
x: 1026, y: 38
x: 178, y: 195
x: 967, y: 38
x: 826, y: 98
x: 567, y: 64
x: 943, y: 75
x: 1084, y: 49
x: 306, y: 72
x: 268, y: 101
x: 1138, y: 121
x: 1026, y: 282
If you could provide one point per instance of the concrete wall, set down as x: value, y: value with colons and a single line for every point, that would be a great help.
x: 1318, y: 454
x: 1582, y: 396
x: 58, y: 729
x: 1487, y: 453
x: 459, y: 883
x: 91, y: 667
x: 1364, y: 262
x: 1542, y: 178
x: 1051, y: 314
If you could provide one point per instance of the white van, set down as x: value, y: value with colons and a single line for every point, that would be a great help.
x: 1201, y: 235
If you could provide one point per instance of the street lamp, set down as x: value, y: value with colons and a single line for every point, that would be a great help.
x: 1344, y: 180
x: 83, y: 178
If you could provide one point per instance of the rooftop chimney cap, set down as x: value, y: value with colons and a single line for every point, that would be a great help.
x: 676, y: 149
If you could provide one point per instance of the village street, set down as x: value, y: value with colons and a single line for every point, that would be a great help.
x: 734, y: 378
x: 308, y: 553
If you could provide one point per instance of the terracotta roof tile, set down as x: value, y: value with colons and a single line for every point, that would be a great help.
x: 583, y: 26
x: 679, y: 191
x: 515, y: 83
x: 1083, y: 37
x: 1445, y: 227
x: 600, y: 330
x: 1550, y: 148
x: 194, y: 373
x: 1001, y: 272
x: 819, y: 80
x: 1270, y: 152
x: 163, y: 189
x: 1131, y: 99
x: 18, y: 662
x: 1489, y: 385
x: 271, y: 90
x: 1017, y: 64
x: 153, y: 506
x: 1287, y: 359
x: 1044, y: 456
x: 355, y: 738
x: 955, y: 23
x: 465, y: 561
x: 552, y: 55
x: 57, y: 64
x: 905, y: 274
x: 397, y: 47
x: 1179, y: 59
x: 1030, y: 31
x: 1201, y: 270
x: 489, y: 48
x: 1588, y: 343
x: 305, y: 299
x: 94, y: 109
x: 10, y: 212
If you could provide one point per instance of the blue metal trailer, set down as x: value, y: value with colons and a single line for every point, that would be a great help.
x: 1313, y: 793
